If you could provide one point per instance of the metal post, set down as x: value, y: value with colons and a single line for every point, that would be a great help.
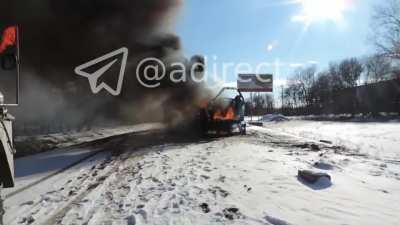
x: 1, y: 206
x: 251, y: 106
x: 282, y: 97
x: 18, y: 64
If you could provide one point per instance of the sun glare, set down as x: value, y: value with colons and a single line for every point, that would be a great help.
x: 314, y: 11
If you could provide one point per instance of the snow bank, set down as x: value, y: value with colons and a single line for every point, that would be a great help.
x: 382, y: 117
x: 28, y: 145
x: 273, y: 118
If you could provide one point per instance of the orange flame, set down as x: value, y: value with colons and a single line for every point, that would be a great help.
x: 9, y: 38
x: 229, y: 115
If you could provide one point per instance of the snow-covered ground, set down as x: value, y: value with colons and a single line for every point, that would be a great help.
x: 380, y: 140
x: 248, y: 179
x: 45, y: 166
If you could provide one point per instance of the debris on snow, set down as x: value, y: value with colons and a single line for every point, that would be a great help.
x: 326, y: 142
x: 312, y: 177
x: 248, y: 188
x: 131, y: 220
x: 217, y: 190
x: 27, y: 220
x: 205, y: 207
x: 315, y: 147
x: 312, y: 147
x: 231, y: 213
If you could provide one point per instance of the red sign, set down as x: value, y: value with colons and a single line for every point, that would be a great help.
x: 9, y: 65
x: 9, y: 38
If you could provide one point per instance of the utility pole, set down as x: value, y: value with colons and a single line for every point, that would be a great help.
x: 251, y: 106
x: 282, y: 97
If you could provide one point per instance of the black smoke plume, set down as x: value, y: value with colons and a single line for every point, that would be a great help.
x: 58, y: 35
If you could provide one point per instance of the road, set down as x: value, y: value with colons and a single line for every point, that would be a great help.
x: 159, y: 177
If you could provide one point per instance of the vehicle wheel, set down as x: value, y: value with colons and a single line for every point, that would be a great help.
x: 230, y: 131
x: 243, y: 129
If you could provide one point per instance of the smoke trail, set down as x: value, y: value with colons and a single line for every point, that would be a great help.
x: 58, y: 35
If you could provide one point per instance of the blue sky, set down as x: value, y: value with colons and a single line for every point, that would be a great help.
x: 257, y: 31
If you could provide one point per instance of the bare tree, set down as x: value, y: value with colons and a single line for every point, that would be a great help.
x: 350, y: 71
x: 322, y: 88
x: 269, y: 101
x: 386, y: 28
x: 292, y: 93
x: 336, y: 80
x: 262, y: 103
x: 305, y: 79
x: 377, y: 68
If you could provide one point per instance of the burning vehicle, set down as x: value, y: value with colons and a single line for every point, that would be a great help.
x: 223, y: 113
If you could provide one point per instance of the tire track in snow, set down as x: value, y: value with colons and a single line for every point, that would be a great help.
x: 119, y: 156
x: 53, y: 174
x: 105, y: 142
x: 58, y: 216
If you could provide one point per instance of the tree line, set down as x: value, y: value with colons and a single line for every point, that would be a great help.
x: 364, y: 85
x: 316, y: 91
x: 307, y: 86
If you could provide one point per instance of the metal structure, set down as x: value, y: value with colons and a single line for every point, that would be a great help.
x: 7, y: 152
x: 7, y: 149
x: 9, y: 62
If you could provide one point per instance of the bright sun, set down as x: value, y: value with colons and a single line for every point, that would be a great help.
x: 321, y: 11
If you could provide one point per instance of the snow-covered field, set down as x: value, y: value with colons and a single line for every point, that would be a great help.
x: 248, y: 179
x: 380, y: 140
